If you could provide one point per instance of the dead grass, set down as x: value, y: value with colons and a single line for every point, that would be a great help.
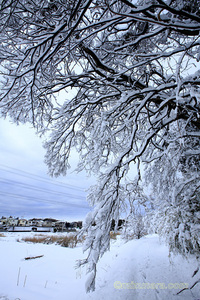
x: 113, y: 235
x: 70, y: 241
x: 2, y: 235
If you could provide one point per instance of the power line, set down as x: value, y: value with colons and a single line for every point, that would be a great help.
x: 48, y: 192
x: 35, y: 188
x: 39, y: 178
x: 42, y: 200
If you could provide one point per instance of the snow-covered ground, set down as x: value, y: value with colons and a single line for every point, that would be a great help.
x: 136, y: 270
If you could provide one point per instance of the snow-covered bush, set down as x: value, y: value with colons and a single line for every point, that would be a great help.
x: 174, y: 180
x: 134, y: 227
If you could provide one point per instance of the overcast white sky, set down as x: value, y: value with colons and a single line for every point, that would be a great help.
x: 26, y: 190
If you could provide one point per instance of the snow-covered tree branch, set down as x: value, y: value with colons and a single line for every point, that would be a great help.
x: 119, y: 81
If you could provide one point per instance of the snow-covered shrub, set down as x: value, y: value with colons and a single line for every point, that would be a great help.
x: 134, y: 228
x: 175, y: 187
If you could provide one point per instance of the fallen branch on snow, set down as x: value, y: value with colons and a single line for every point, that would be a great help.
x: 33, y: 257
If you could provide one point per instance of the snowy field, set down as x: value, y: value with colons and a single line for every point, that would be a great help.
x: 136, y: 270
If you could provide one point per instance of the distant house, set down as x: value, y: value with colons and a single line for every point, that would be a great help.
x: 48, y: 222
x: 29, y: 223
x: 3, y: 221
x: 77, y: 224
x: 1, y: 224
x: 36, y: 222
x: 12, y: 221
x: 60, y: 226
x: 68, y: 225
x: 22, y: 222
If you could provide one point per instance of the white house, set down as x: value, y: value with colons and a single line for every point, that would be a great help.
x: 12, y: 221
x: 22, y: 222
